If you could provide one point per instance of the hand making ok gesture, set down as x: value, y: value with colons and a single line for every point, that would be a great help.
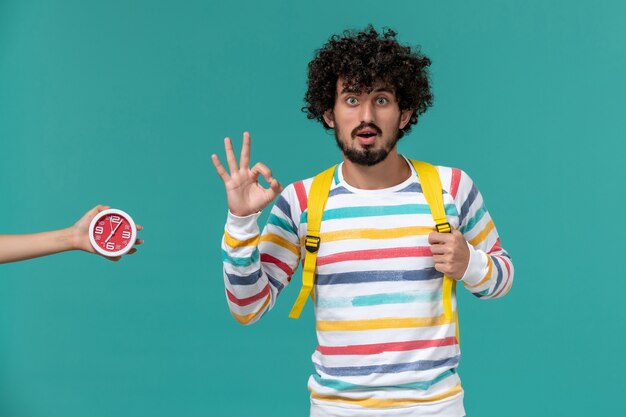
x: 244, y: 193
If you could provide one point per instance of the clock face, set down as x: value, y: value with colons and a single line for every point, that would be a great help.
x: 112, y: 232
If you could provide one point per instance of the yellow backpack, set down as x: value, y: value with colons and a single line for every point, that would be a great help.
x: 318, y: 195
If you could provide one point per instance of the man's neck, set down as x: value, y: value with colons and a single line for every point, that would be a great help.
x: 392, y: 171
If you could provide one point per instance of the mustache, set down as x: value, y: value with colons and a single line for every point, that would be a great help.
x: 365, y: 125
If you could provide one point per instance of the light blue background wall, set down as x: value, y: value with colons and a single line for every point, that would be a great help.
x: 529, y: 100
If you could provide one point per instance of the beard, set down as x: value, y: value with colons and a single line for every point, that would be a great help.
x: 367, y: 155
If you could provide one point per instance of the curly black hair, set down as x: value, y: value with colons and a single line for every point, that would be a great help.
x: 361, y: 59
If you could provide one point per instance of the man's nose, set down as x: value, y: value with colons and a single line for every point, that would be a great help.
x: 367, y: 112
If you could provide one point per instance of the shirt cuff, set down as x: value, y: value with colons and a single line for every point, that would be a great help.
x: 476, y: 268
x: 242, y: 227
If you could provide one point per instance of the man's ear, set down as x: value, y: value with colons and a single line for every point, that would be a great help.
x: 405, y: 116
x: 329, y: 118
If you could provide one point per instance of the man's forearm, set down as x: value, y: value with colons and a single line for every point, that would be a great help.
x: 20, y: 247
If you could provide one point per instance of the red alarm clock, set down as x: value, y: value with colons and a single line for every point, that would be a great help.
x: 112, y: 232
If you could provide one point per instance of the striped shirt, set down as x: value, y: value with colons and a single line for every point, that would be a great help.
x: 385, y: 346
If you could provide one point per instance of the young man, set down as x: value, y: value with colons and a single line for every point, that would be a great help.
x: 21, y: 247
x: 386, y: 348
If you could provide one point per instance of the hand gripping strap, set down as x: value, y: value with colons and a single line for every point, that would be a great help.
x: 316, y: 202
x: 431, y: 187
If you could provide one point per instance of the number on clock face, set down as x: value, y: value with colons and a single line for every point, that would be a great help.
x: 112, y: 233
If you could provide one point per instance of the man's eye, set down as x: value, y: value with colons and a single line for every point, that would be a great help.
x: 382, y: 101
x: 352, y: 101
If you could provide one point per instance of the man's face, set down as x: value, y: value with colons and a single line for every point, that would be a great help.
x: 366, y: 124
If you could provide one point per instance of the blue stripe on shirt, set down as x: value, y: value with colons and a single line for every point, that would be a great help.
x: 377, y: 276
x: 275, y: 283
x: 500, y: 274
x: 388, y: 368
x: 468, y: 202
x: 250, y: 279
x: 283, y: 206
x: 474, y: 220
x: 339, y: 190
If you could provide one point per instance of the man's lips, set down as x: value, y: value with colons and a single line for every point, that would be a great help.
x: 367, y: 137
x: 366, y: 134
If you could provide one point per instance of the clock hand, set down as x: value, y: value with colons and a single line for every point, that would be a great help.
x: 110, y: 227
x: 114, y: 230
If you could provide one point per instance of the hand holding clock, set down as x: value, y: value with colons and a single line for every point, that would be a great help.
x: 77, y: 237
x: 85, y: 235
x: 244, y: 193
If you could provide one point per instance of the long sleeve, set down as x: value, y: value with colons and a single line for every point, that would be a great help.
x: 490, y: 271
x: 258, y: 266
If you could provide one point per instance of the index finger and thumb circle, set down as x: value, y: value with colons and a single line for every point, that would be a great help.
x: 261, y: 169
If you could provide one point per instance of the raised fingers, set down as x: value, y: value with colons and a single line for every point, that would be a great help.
x: 230, y: 155
x: 220, y: 168
x: 244, y: 159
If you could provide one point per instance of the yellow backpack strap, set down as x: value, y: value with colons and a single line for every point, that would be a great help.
x: 316, y: 202
x: 431, y: 187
